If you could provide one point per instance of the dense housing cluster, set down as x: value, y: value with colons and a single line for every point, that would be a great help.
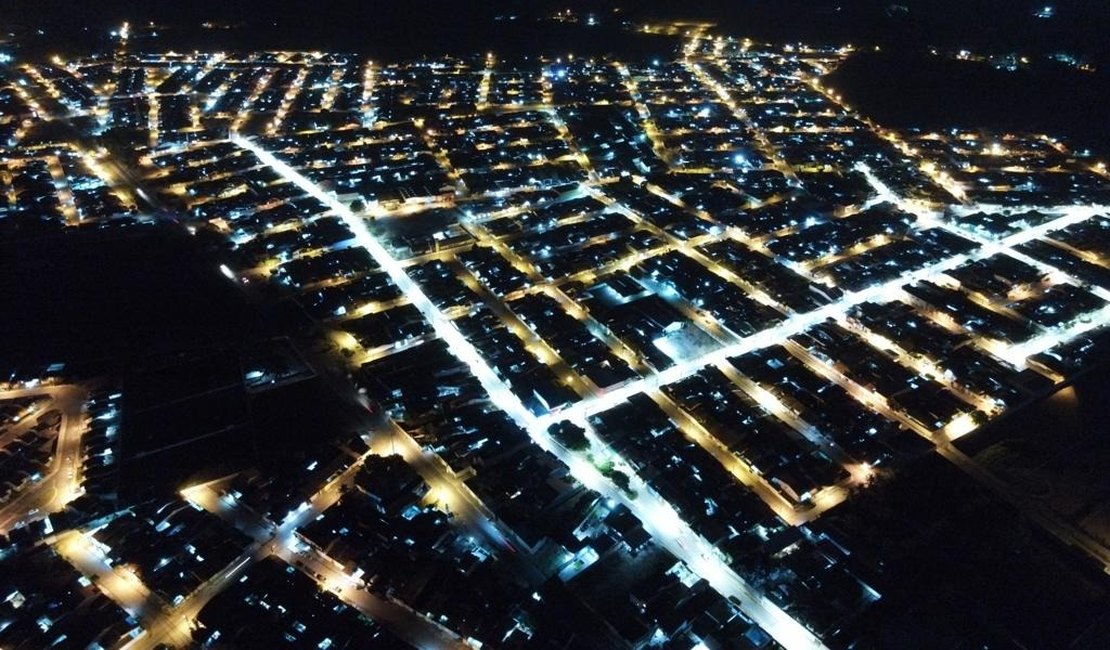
x: 631, y: 327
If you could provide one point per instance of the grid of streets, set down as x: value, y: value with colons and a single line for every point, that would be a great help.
x: 717, y: 295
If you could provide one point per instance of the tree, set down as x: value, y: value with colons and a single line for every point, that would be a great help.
x: 571, y: 436
x: 621, y: 480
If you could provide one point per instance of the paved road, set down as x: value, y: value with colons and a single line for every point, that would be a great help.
x: 415, y: 629
x: 453, y: 495
x: 658, y: 517
x: 1033, y: 509
x: 62, y: 482
x: 284, y: 542
x: 122, y: 586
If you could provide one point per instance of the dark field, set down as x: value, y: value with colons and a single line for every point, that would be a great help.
x: 113, y: 296
x: 398, y: 28
x: 915, y: 89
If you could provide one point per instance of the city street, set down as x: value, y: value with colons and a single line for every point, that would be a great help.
x: 62, y: 483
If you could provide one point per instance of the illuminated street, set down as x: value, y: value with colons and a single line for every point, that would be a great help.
x: 62, y: 482
x: 606, y: 327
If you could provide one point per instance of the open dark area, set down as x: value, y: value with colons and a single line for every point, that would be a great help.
x: 381, y: 29
x: 994, y: 25
x: 395, y: 29
x: 114, y: 295
x: 918, y: 90
x: 960, y: 568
